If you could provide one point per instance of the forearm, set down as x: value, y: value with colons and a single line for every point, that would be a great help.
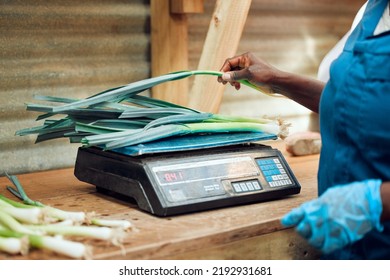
x: 385, y: 196
x: 303, y: 90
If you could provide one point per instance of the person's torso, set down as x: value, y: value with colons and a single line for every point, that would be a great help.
x: 355, y: 122
x: 355, y: 107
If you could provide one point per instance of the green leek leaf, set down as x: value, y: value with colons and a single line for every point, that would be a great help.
x: 119, y: 116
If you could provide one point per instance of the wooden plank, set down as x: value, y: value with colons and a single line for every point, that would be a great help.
x: 279, y: 245
x: 169, y: 50
x: 186, y: 6
x: 222, y: 40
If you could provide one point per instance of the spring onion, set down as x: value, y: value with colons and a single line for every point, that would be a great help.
x: 22, y: 226
x: 46, y: 211
x: 21, y: 243
x: 11, y: 223
x: 26, y: 215
x: 102, y: 233
x: 72, y: 249
x: 123, y: 224
x: 12, y: 245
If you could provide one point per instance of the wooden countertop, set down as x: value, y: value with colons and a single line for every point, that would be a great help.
x: 242, y: 232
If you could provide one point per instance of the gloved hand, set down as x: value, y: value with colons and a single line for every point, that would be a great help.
x: 340, y: 216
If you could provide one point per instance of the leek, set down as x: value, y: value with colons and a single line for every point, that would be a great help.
x: 121, y: 93
x: 179, y: 119
x: 11, y: 223
x: 26, y: 215
x: 101, y: 233
x: 38, y: 224
x: 12, y: 245
x: 20, y: 193
x: 72, y: 249
x: 120, y: 117
x: 92, y: 219
x: 189, y: 128
x: 123, y: 224
x: 47, y: 211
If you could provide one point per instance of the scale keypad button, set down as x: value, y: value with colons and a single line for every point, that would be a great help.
x: 246, y: 186
x: 250, y: 186
x: 274, y: 172
x: 236, y: 187
x: 256, y: 185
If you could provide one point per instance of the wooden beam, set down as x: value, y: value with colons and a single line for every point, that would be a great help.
x: 222, y: 41
x: 186, y: 6
x: 169, y: 46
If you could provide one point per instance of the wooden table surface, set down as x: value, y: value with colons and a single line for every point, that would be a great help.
x: 241, y: 232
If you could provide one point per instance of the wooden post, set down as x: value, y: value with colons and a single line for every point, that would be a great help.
x: 169, y: 35
x: 187, y: 6
x: 222, y: 41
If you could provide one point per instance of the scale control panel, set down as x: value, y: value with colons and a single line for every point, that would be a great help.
x: 273, y: 173
x: 225, y: 176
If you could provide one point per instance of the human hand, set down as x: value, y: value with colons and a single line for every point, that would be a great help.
x: 247, y: 67
x: 340, y: 216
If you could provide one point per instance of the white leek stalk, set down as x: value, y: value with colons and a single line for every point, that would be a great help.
x: 76, y: 250
x: 12, y: 245
x: 20, y: 222
x: 58, y: 214
x: 11, y: 223
x: 26, y: 215
x: 102, y: 233
x: 92, y: 219
x: 123, y: 224
x: 46, y: 211
x: 21, y: 242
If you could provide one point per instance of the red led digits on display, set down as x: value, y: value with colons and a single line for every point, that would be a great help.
x: 173, y: 176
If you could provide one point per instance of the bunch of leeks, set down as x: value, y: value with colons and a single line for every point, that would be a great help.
x: 31, y: 224
x: 122, y: 117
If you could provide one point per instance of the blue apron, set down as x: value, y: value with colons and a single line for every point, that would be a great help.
x: 355, y: 129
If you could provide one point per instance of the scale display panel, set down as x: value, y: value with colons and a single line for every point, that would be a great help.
x: 191, y: 180
x: 177, y: 183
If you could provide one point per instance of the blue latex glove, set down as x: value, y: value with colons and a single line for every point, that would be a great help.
x: 340, y: 216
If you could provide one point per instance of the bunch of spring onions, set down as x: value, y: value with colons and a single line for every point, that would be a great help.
x: 32, y: 224
x: 121, y: 117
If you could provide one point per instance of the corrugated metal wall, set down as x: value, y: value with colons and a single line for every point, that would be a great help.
x: 66, y: 48
x: 77, y: 48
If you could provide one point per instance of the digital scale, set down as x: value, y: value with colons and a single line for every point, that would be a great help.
x: 184, y: 175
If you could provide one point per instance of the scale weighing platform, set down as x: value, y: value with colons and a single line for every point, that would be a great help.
x: 184, y: 174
